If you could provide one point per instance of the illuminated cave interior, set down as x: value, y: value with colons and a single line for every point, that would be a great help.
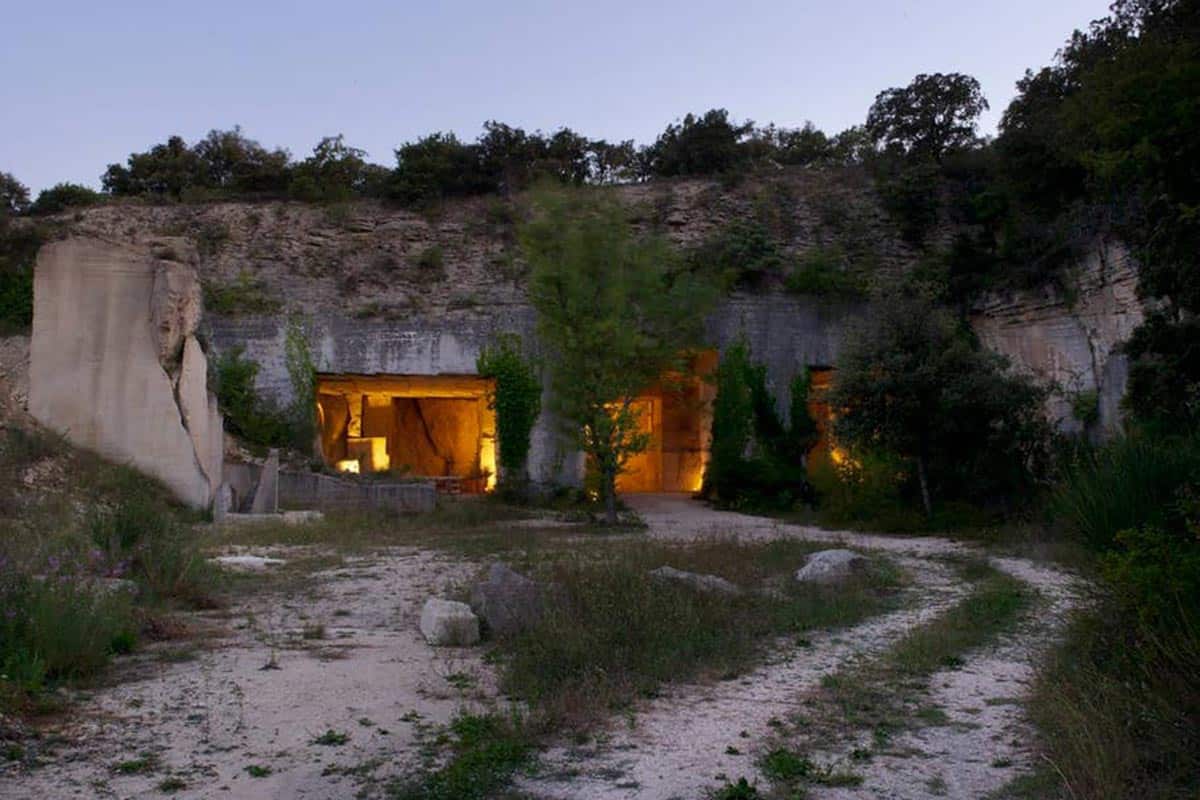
x: 430, y: 426
x: 677, y: 413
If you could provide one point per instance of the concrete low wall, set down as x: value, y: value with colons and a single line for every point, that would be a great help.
x: 325, y: 492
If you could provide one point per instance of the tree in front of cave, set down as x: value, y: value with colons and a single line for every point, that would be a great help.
x: 616, y: 310
x: 517, y: 401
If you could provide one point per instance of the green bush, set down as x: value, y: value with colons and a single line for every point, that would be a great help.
x: 254, y: 419
x: 246, y: 295
x: 1131, y: 482
x: 18, y: 251
x: 63, y: 196
x: 742, y: 254
x: 58, y: 626
x: 517, y: 401
x: 756, y: 460
x: 824, y: 271
x: 142, y: 541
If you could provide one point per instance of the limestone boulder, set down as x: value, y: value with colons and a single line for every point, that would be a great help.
x: 446, y: 623
x: 96, y: 373
x: 507, y: 601
x: 831, y: 566
x: 712, y: 584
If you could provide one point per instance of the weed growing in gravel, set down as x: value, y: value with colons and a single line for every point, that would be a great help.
x: 486, y: 751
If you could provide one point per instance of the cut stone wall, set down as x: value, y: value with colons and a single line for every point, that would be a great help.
x: 1071, y: 343
x: 115, y: 365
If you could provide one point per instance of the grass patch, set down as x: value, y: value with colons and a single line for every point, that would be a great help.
x: 1118, y: 708
x: 332, y: 738
x: 91, y: 556
x: 485, y: 753
x: 616, y: 634
x: 245, y: 295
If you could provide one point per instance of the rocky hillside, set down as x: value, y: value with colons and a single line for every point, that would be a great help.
x: 366, y: 259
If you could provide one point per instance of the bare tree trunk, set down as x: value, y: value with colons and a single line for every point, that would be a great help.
x: 924, y: 486
x: 610, y: 498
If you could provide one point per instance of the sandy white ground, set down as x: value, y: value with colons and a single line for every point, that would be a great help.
x: 372, y: 677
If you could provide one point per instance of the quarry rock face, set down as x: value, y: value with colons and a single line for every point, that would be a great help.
x: 1071, y: 343
x: 831, y: 566
x: 446, y: 623
x: 114, y: 364
x: 507, y: 601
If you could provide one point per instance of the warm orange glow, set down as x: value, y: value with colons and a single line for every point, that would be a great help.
x: 348, y: 465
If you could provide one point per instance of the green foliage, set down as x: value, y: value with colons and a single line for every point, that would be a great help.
x: 302, y: 373
x: 517, y: 401
x: 18, y: 252
x: 756, y: 460
x: 1129, y: 483
x: 224, y: 163
x: 1085, y: 407
x: 698, y: 145
x: 824, y: 271
x: 743, y: 254
x: 866, y: 489
x: 335, y: 173
x: 14, y: 196
x: 485, y: 753
x: 742, y: 790
x: 614, y: 632
x: 1118, y: 707
x: 931, y: 116
x: 157, y: 552
x: 911, y: 382
x: 254, y: 419
x: 63, y: 196
x: 246, y: 295
x: 431, y: 262
x: 1164, y: 372
x: 615, y: 314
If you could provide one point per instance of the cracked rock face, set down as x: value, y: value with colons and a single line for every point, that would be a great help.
x: 108, y: 322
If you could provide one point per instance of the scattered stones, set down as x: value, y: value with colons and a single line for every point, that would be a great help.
x: 702, y: 583
x: 831, y: 566
x: 446, y: 623
x: 507, y: 601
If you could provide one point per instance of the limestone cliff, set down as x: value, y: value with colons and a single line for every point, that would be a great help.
x: 1071, y: 341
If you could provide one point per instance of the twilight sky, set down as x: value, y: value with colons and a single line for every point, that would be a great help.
x: 86, y: 82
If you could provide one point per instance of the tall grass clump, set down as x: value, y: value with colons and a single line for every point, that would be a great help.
x: 1119, y: 702
x: 1128, y: 483
x: 89, y: 553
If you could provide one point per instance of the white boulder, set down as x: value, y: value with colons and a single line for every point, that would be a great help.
x: 831, y: 566
x: 702, y: 583
x: 446, y: 623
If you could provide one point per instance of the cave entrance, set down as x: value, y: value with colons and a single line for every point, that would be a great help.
x: 677, y: 413
x: 428, y: 426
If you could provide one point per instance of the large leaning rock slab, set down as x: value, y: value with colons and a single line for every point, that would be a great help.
x: 830, y: 566
x: 95, y: 374
x: 445, y: 623
x: 200, y: 417
x: 507, y: 601
x: 703, y: 583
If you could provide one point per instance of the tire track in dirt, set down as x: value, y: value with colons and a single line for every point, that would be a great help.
x: 679, y: 744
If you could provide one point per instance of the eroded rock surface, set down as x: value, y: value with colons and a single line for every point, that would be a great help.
x: 831, y: 566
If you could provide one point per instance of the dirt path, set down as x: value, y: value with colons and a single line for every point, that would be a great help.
x: 205, y: 719
x: 681, y: 745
